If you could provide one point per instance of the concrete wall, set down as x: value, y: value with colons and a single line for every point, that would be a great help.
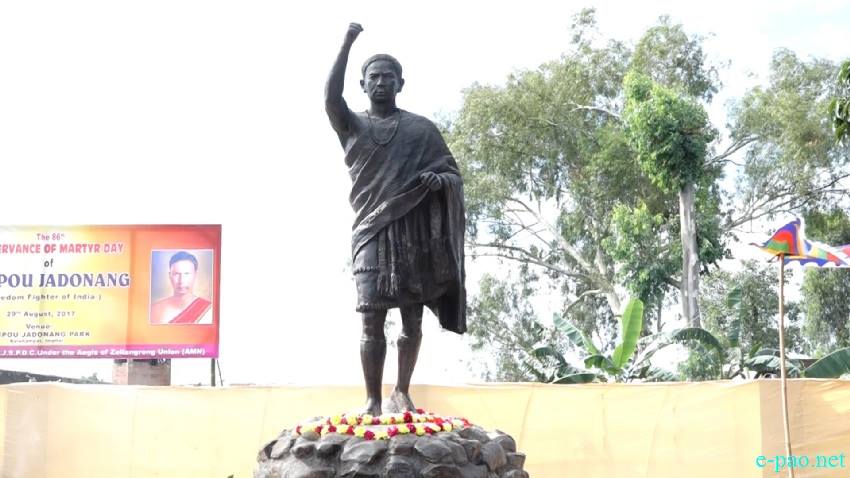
x: 698, y: 430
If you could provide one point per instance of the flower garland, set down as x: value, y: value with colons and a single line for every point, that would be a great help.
x: 382, y: 427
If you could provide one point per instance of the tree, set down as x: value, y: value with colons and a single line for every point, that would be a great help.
x: 671, y: 133
x: 553, y: 182
x: 548, y: 168
x: 507, y: 327
x: 839, y: 107
x: 741, y: 309
x: 791, y: 162
x: 671, y: 57
x: 825, y: 291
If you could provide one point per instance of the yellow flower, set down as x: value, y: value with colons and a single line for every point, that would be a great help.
x: 385, y: 419
x: 420, y: 430
x: 447, y: 426
x: 366, y: 418
x: 359, y: 431
x: 336, y: 420
x: 381, y: 435
x: 403, y: 429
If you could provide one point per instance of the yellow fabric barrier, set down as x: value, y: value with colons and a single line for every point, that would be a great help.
x: 697, y: 430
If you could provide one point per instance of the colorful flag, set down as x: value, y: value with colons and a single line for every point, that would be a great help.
x: 790, y: 242
x: 787, y: 240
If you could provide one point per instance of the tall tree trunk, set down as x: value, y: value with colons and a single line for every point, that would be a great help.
x: 658, y: 314
x: 614, y: 302
x: 690, y: 257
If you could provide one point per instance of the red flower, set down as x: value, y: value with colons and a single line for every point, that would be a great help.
x: 369, y: 435
x: 420, y: 411
x: 411, y: 427
x: 343, y: 421
x: 392, y: 431
x: 319, y: 429
x: 408, y: 417
x: 376, y: 421
x: 331, y: 429
x: 298, y: 429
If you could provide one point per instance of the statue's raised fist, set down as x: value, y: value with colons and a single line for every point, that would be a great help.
x: 354, y: 29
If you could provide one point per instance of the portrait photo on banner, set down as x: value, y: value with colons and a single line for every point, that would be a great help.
x: 181, y: 287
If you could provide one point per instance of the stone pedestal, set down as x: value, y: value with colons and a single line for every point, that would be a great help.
x: 141, y: 372
x: 468, y: 452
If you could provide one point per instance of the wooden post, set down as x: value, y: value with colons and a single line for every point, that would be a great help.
x: 212, y: 372
x: 782, y: 372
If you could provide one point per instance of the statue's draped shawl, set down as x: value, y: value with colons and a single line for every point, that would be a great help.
x: 386, y: 186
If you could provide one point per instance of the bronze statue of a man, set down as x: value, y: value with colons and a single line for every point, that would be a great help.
x: 407, y: 238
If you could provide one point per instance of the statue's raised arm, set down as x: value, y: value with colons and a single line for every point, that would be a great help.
x: 335, y: 105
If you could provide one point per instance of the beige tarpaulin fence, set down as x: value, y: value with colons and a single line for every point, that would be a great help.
x: 710, y: 429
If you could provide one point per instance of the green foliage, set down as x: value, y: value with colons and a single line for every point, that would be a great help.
x: 833, y: 365
x: 839, y: 106
x: 506, y: 327
x: 825, y: 291
x: 631, y: 325
x: 574, y: 175
x: 741, y: 307
x: 767, y: 362
x: 669, y: 56
x: 791, y: 160
x: 700, y: 365
x: 550, y: 175
x: 610, y: 367
x: 669, y: 131
x: 740, y: 310
x: 576, y: 337
x: 649, y: 259
x: 632, y: 358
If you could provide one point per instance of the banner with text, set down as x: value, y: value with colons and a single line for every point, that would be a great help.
x: 109, y: 291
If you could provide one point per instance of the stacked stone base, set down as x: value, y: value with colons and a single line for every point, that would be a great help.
x: 469, y: 452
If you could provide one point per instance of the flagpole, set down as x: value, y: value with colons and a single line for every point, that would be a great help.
x: 782, y: 372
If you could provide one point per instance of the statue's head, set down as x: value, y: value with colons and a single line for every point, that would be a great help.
x: 382, y: 78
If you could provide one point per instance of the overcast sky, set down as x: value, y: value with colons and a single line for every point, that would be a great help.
x: 212, y: 112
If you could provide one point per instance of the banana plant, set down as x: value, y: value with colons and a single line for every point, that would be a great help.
x: 597, y: 366
x: 766, y: 363
x: 630, y: 360
x: 761, y: 361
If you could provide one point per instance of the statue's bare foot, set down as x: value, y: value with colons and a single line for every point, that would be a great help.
x: 372, y: 407
x: 399, y: 402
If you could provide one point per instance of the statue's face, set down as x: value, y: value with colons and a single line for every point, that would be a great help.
x: 182, y: 275
x: 381, y: 82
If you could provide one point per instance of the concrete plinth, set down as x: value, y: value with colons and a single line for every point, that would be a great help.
x: 141, y: 372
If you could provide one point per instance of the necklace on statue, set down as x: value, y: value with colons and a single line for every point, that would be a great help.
x: 372, y: 130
